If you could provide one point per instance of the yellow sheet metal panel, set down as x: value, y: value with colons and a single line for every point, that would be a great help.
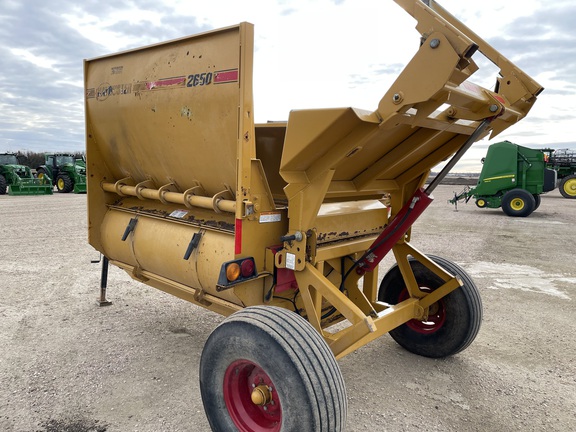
x: 312, y: 135
x: 352, y: 219
x: 169, y: 112
x: 159, y: 246
x: 172, y: 117
x: 269, y: 143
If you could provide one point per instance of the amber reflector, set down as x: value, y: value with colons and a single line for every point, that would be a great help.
x: 232, y: 272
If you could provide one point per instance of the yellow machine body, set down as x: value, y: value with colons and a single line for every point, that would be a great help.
x: 181, y: 181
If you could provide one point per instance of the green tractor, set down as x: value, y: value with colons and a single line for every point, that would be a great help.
x: 512, y: 177
x: 66, y: 171
x: 563, y: 161
x: 17, y: 179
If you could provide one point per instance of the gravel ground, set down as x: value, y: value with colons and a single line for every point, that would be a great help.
x: 67, y: 365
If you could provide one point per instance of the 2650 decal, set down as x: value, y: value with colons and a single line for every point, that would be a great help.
x: 200, y: 79
x: 218, y: 77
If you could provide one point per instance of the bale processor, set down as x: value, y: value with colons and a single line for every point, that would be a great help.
x: 281, y: 226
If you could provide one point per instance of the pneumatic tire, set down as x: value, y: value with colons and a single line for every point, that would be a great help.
x: 3, y: 185
x: 275, y: 356
x: 42, y: 174
x: 64, y: 183
x: 568, y: 187
x: 453, y: 322
x: 537, y: 201
x: 518, y: 202
x: 481, y: 203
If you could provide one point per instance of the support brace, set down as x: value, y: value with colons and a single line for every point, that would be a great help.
x: 103, y: 284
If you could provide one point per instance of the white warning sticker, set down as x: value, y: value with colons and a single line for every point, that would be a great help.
x: 290, y: 261
x: 179, y: 214
x: 270, y: 217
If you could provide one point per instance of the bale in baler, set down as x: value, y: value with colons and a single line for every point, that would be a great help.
x: 512, y: 178
x: 276, y: 225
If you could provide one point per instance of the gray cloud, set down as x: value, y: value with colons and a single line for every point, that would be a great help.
x: 544, y: 42
x: 41, y: 107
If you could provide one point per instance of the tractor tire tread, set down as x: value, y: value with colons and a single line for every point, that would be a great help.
x: 562, y: 185
x: 465, y: 302
x: 3, y: 185
x: 299, y: 346
x: 68, y: 183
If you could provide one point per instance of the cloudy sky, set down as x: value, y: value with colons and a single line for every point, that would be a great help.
x: 309, y: 54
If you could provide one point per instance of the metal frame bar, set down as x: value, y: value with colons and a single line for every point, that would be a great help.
x: 367, y: 325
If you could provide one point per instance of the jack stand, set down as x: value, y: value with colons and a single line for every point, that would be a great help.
x: 103, y: 284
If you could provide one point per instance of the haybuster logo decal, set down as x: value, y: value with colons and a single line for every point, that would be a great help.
x: 105, y: 90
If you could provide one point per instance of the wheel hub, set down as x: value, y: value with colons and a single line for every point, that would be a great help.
x: 251, y: 398
x: 517, y: 204
x: 261, y: 395
x: 570, y: 187
x: 433, y: 319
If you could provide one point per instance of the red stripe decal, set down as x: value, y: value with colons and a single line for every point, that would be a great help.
x: 238, y: 237
x: 225, y: 76
x: 166, y: 82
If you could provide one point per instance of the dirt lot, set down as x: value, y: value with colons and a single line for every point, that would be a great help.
x: 67, y: 365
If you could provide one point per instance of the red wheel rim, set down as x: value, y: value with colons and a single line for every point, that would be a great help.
x: 436, y: 315
x: 240, y: 380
